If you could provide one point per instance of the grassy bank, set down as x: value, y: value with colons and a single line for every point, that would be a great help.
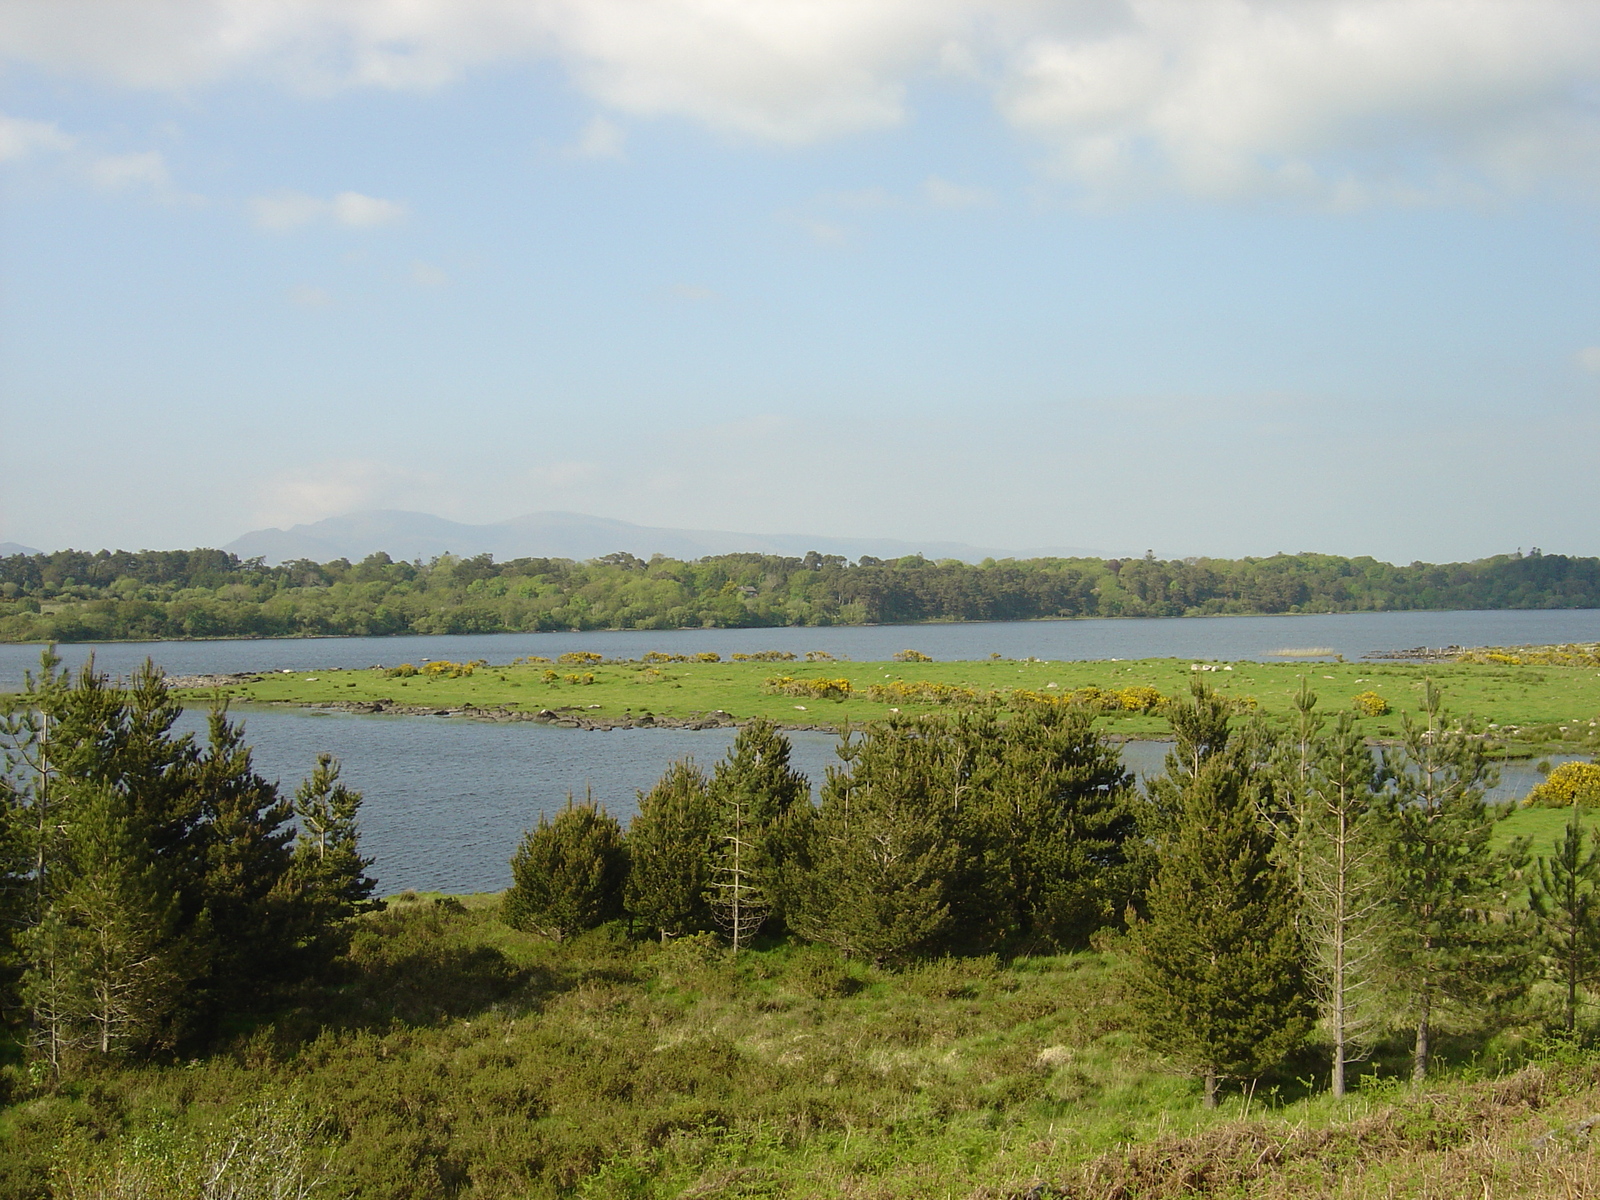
x: 1530, y: 706
x: 458, y: 1058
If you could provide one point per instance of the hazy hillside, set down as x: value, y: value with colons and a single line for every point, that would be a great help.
x: 412, y: 535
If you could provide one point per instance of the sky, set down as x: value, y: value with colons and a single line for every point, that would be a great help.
x: 1207, y: 277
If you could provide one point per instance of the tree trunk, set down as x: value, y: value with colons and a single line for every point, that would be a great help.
x: 1211, y: 1090
x: 1419, y: 1056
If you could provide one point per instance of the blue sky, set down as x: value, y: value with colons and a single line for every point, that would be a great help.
x: 1199, y: 276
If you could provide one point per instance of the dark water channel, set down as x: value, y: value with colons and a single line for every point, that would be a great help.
x: 447, y: 799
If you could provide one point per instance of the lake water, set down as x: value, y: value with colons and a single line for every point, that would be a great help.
x: 447, y: 800
x: 1224, y: 638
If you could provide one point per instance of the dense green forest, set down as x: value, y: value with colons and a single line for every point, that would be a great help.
x: 72, y: 596
x: 983, y: 957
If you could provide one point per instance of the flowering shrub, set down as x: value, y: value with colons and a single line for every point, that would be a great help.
x: 765, y: 656
x: 530, y: 660
x: 586, y: 677
x: 1137, y: 698
x: 912, y: 656
x: 818, y: 656
x: 816, y: 689
x: 580, y: 658
x: 551, y: 677
x: 453, y: 670
x: 1570, y: 783
x: 403, y: 671
x: 656, y: 656
x: 924, y: 692
x: 708, y: 656
x: 1574, y: 654
x: 1370, y: 704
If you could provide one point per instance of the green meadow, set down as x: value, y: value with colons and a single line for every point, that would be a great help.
x: 1529, y: 707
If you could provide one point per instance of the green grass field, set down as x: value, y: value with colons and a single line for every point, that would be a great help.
x: 1529, y: 706
x: 457, y: 1058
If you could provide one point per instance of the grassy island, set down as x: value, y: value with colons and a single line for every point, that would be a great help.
x: 1527, y: 704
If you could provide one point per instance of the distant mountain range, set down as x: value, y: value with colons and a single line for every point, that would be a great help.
x: 7, y: 549
x: 411, y: 535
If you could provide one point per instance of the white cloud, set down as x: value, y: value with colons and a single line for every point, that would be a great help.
x: 941, y: 193
x: 307, y: 296
x: 283, y: 211
x: 823, y: 233
x: 1340, y: 103
x: 1589, y: 358
x: 355, y: 211
x: 327, y: 489
x: 427, y: 275
x: 118, y: 171
x: 600, y: 139
x: 21, y: 138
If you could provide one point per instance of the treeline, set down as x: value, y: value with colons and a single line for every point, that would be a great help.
x: 1272, y: 882
x: 154, y: 886
x: 77, y: 596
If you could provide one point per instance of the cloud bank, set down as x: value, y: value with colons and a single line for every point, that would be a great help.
x: 1336, y: 102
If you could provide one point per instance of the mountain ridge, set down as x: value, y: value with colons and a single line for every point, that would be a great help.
x: 554, y: 534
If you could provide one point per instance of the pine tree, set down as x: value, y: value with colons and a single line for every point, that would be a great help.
x: 1564, y: 901
x: 761, y: 806
x: 1452, y: 943
x: 1217, y: 982
x: 568, y: 874
x: 328, y: 871
x: 882, y: 849
x: 106, y: 961
x: 250, y: 919
x: 1059, y: 824
x: 145, y: 882
x: 1345, y: 909
x: 670, y: 850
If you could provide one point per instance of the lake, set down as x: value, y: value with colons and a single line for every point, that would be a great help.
x: 446, y: 800
x: 1225, y: 638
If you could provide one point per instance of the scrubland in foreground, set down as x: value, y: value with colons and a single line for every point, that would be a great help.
x: 456, y: 1057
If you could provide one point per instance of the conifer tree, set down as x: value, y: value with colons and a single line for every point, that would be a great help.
x: 1060, y: 824
x: 1345, y: 905
x: 761, y: 805
x: 568, y: 874
x: 1452, y: 943
x: 252, y: 917
x: 145, y: 882
x: 328, y: 871
x: 670, y: 851
x: 882, y: 849
x: 1564, y: 901
x: 105, y: 966
x: 1217, y: 981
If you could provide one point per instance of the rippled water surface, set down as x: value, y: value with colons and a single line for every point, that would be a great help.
x: 447, y: 799
x: 1229, y: 638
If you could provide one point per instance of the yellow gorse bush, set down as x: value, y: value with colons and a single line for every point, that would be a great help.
x: 1136, y: 698
x: 765, y: 656
x: 913, y: 656
x: 814, y: 689
x: 1570, y: 783
x: 403, y: 671
x: 580, y: 658
x: 1570, y: 654
x: 453, y: 670
x: 926, y: 692
x: 1370, y: 704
